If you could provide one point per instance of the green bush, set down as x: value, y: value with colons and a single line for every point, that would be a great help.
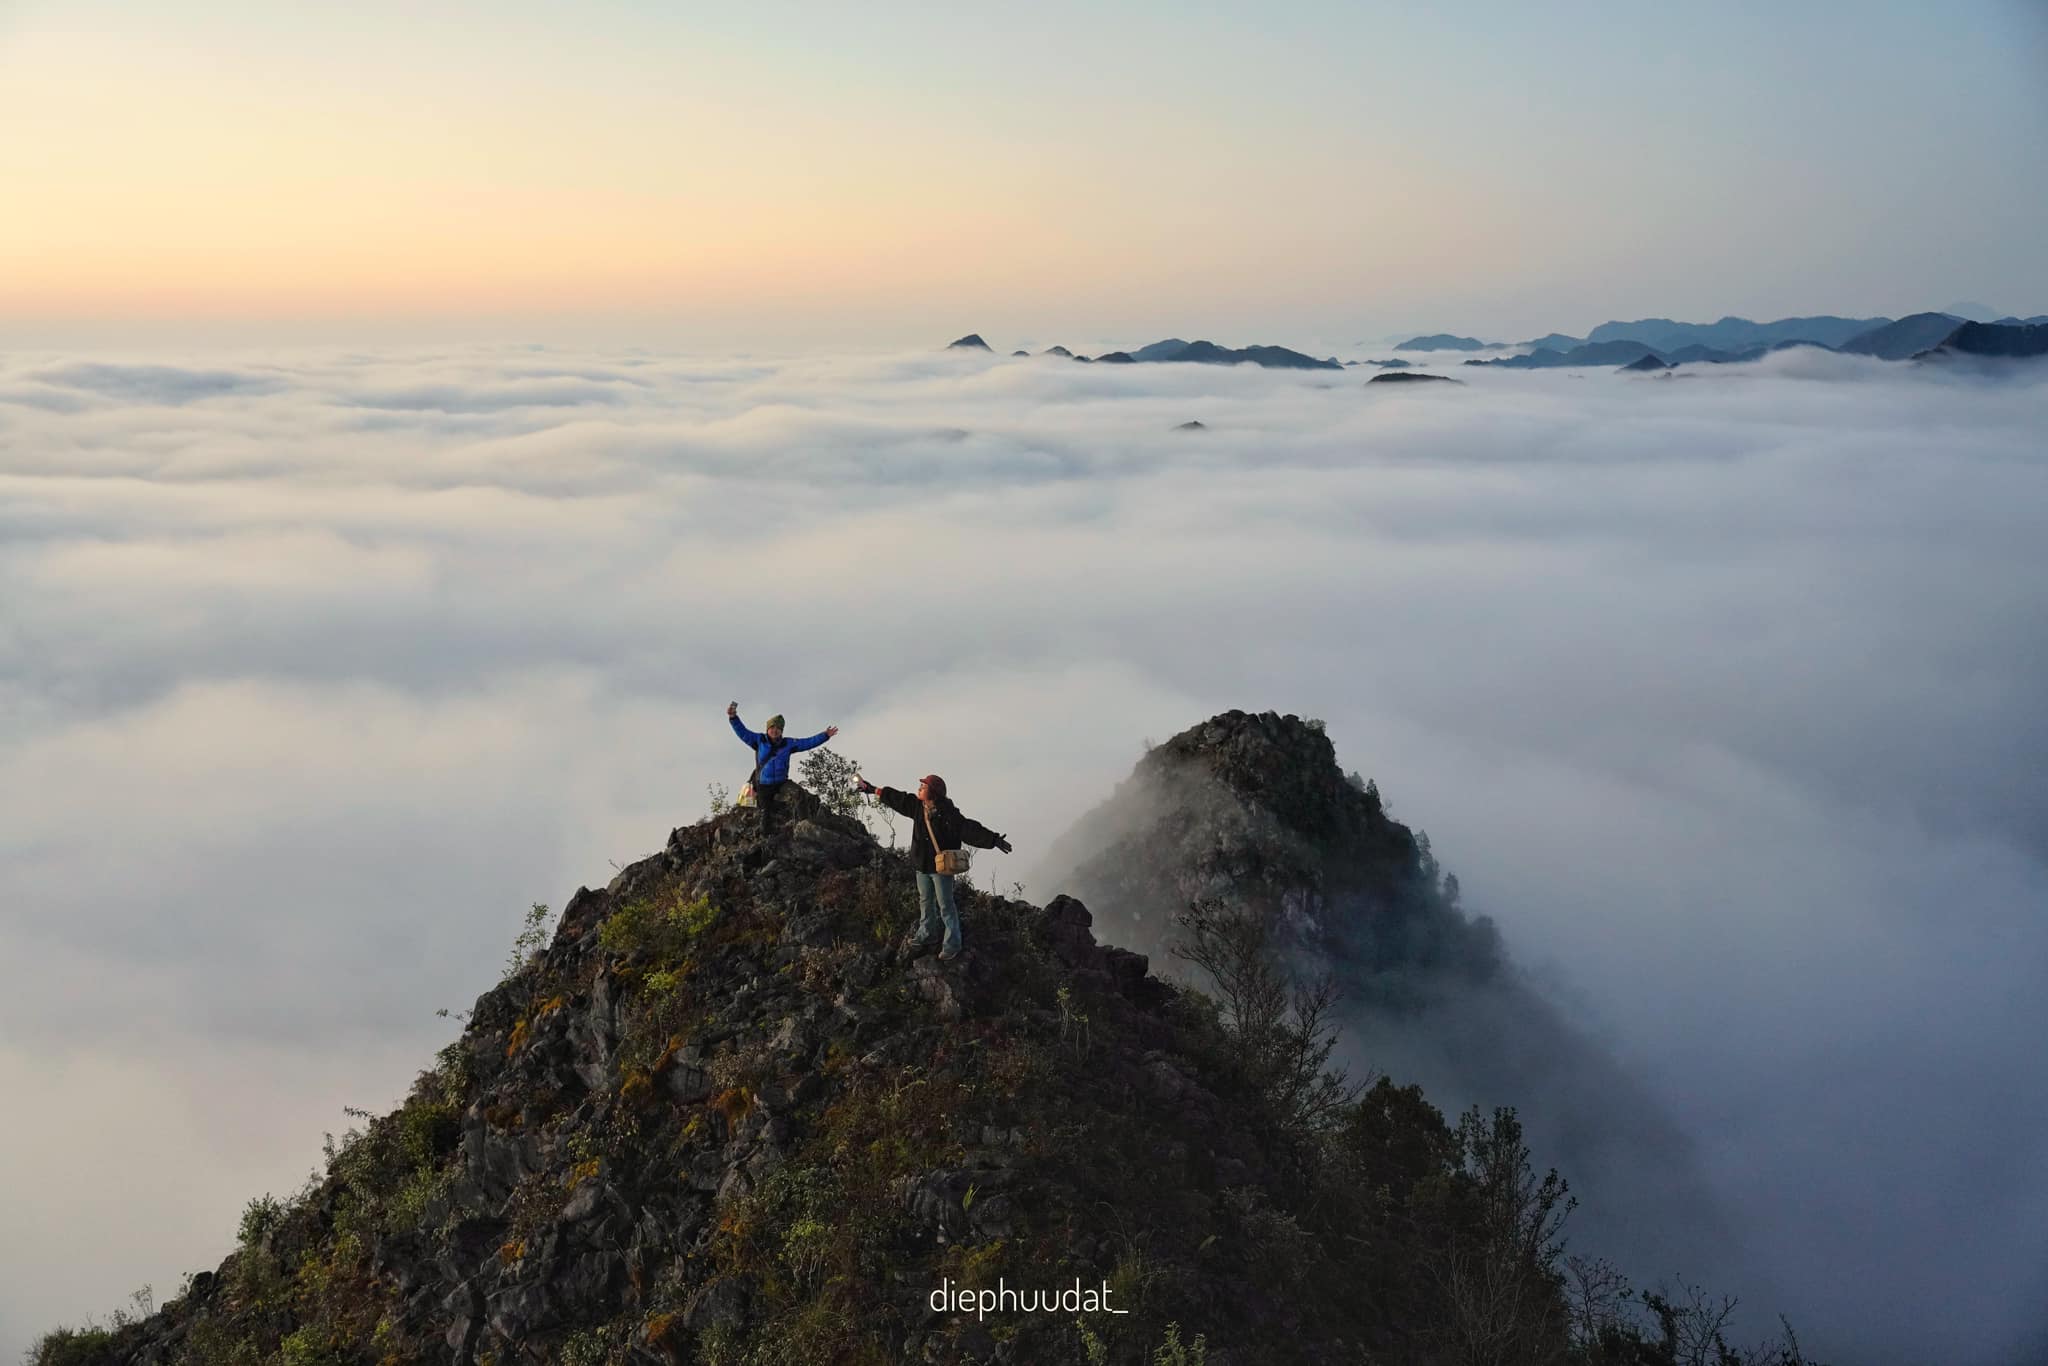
x: 531, y: 939
x: 428, y: 1130
x: 260, y: 1218
x: 662, y: 929
x: 71, y: 1347
x: 311, y: 1347
x: 1173, y: 1352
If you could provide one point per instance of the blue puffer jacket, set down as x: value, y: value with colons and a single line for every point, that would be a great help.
x: 773, y: 757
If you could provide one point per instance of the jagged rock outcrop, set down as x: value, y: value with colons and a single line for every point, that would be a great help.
x: 971, y: 342
x: 1253, y: 808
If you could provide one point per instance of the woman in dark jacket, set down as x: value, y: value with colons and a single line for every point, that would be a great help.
x: 935, y: 824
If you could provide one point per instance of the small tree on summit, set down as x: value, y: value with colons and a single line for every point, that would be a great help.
x: 830, y: 776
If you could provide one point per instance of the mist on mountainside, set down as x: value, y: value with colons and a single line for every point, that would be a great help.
x: 1254, y: 812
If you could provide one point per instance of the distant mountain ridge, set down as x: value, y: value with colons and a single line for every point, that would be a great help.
x: 1907, y: 337
x: 1174, y: 349
x: 1735, y: 334
x: 1623, y: 344
x: 1444, y: 341
x: 1992, y: 340
x: 1669, y: 344
x: 1619, y: 352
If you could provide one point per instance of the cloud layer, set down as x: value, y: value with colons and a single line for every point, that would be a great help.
x: 1720, y: 694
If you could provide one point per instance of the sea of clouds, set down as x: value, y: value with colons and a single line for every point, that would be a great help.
x: 1721, y: 694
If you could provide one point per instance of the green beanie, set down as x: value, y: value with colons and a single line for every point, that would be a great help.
x: 775, y: 722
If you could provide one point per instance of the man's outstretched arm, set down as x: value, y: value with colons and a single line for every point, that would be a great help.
x: 747, y: 737
x: 798, y: 746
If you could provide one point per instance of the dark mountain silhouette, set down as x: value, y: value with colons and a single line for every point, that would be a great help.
x: 1203, y: 352
x: 1410, y: 377
x: 1395, y: 364
x: 1646, y: 365
x: 1991, y: 341
x: 1443, y: 341
x: 719, y: 1118
x: 1274, y: 357
x: 1194, y: 426
x: 1734, y: 334
x: 971, y: 342
x: 1554, y: 341
x: 1907, y: 337
x: 1604, y: 354
x: 1019, y: 353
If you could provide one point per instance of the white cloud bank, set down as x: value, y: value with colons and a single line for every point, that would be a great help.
x: 1721, y: 694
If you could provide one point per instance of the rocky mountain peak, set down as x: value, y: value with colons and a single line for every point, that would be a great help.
x: 722, y: 1117
x: 1252, y: 809
x: 1269, y: 762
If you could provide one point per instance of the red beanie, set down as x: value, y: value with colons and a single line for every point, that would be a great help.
x: 935, y: 785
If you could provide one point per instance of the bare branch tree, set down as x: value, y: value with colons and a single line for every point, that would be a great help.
x: 1694, y: 1325
x: 1282, y: 1030
x: 1599, y: 1295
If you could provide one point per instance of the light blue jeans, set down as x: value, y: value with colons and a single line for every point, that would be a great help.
x: 935, y: 898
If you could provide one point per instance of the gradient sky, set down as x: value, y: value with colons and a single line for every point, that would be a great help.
x: 801, y: 172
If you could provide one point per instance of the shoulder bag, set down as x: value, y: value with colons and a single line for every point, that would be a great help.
x: 944, y: 861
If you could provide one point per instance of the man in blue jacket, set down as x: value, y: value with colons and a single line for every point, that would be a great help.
x: 771, y: 756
